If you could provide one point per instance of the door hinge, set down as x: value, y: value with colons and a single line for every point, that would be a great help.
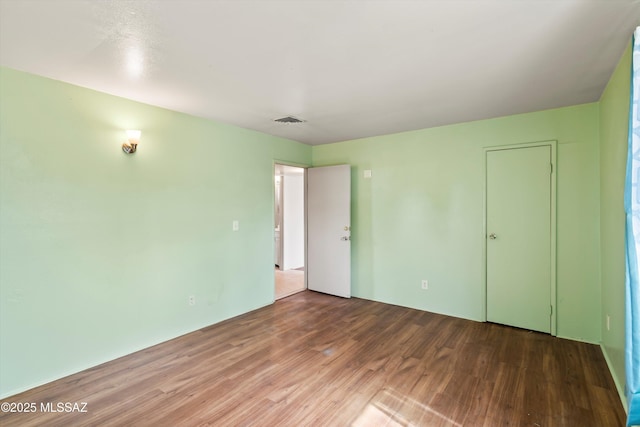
x: 551, y: 311
x: 551, y: 167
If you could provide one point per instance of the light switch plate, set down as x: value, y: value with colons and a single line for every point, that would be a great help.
x: 367, y: 173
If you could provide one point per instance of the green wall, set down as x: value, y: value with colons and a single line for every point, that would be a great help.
x: 420, y: 216
x: 100, y: 250
x: 614, y: 125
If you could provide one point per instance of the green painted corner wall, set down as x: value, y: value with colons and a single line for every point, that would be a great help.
x: 421, y: 214
x: 614, y: 128
x: 100, y: 250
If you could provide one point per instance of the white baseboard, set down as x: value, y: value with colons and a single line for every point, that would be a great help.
x: 619, y: 386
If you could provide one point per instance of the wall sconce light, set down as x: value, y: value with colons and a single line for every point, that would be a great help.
x: 133, y: 138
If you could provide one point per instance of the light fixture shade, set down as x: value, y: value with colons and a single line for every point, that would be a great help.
x: 133, y: 136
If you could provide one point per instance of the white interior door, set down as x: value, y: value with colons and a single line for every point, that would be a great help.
x: 328, y: 230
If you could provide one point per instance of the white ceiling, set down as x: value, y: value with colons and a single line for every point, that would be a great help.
x: 349, y: 68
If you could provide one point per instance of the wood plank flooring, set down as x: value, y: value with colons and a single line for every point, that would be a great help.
x: 316, y: 360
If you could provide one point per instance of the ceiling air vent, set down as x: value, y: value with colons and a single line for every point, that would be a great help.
x: 289, y: 119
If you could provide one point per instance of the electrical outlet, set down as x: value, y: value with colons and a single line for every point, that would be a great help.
x: 425, y: 284
x: 608, y: 322
x: 192, y: 300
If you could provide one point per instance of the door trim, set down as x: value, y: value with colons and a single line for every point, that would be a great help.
x: 553, y: 144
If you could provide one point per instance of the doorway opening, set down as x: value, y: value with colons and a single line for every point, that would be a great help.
x: 289, y: 230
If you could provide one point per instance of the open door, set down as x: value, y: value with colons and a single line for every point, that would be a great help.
x: 329, y: 230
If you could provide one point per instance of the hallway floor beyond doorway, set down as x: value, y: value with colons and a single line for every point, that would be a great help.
x: 288, y: 282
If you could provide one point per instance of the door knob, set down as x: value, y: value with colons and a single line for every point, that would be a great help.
x: 346, y: 228
x: 493, y: 236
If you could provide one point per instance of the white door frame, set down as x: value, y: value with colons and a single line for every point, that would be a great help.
x: 553, y: 144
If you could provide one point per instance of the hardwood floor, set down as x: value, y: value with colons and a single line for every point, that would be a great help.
x: 316, y: 360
